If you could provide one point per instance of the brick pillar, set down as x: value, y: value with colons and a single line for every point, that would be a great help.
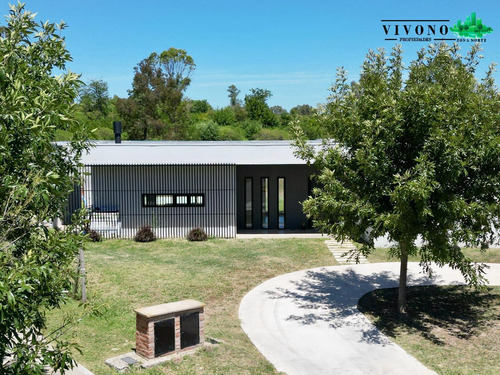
x: 144, y: 337
x: 177, y: 333
x: 202, y: 326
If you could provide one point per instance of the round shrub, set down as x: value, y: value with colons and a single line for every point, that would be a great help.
x: 145, y: 234
x: 197, y: 234
x: 208, y: 130
x: 230, y: 133
x: 95, y: 236
x: 224, y: 116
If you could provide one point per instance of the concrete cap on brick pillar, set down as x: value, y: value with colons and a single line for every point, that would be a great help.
x: 170, y: 308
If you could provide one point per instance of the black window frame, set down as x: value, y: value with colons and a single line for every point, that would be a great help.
x: 174, y: 203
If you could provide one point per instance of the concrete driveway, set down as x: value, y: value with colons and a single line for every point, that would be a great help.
x: 307, y: 322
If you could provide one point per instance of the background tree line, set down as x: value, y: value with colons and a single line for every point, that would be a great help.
x: 157, y: 109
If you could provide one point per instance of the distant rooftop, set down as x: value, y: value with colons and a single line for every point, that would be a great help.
x: 192, y: 152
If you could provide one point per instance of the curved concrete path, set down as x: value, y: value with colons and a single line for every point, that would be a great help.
x: 307, y: 322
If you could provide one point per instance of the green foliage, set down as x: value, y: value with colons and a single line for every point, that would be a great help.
x: 233, y: 95
x: 104, y: 134
x: 145, y: 234
x: 278, y: 110
x: 272, y: 134
x: 197, y: 234
x: 231, y: 133
x: 200, y: 106
x: 62, y: 135
x: 94, y: 97
x: 257, y: 108
x: 303, y: 110
x: 251, y: 127
x: 412, y: 158
x: 240, y: 113
x: 209, y: 131
x: 311, y: 126
x: 36, y: 176
x: 224, y: 116
x: 154, y: 108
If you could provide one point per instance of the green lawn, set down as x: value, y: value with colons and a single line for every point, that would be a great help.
x: 124, y: 275
x: 451, y: 329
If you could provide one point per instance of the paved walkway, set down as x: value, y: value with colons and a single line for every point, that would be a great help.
x: 340, y: 251
x: 307, y: 322
x: 280, y: 234
x: 79, y: 370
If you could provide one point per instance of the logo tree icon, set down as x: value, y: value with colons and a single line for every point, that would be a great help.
x: 472, y: 27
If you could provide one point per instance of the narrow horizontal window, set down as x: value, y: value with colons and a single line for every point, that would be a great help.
x: 181, y: 200
x: 164, y: 200
x: 173, y: 200
x: 196, y: 200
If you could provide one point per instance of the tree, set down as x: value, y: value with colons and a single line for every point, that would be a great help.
x: 302, y: 110
x: 411, y: 158
x: 257, y: 108
x: 224, y: 116
x: 94, y: 97
x: 155, y: 105
x: 36, y: 176
x: 233, y: 95
x: 200, y: 106
x: 278, y: 110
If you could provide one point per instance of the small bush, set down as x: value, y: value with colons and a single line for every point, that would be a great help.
x: 251, y: 127
x: 208, y: 130
x: 95, y: 236
x: 144, y: 234
x: 272, y: 134
x: 104, y: 134
x: 230, y: 133
x: 197, y: 234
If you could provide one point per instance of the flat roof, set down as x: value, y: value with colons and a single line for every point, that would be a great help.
x: 192, y: 152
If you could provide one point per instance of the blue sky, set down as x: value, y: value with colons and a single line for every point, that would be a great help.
x: 291, y: 48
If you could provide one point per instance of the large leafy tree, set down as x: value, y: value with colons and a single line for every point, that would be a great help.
x: 155, y: 107
x: 94, y: 97
x: 36, y: 176
x: 258, y: 109
x: 412, y: 158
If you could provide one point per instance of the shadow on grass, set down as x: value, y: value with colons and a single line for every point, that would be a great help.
x: 459, y: 310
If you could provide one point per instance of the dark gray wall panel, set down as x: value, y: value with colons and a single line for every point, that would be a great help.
x: 296, y: 191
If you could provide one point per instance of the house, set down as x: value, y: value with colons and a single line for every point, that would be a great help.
x: 173, y: 186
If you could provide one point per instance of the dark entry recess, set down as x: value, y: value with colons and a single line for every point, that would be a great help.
x: 164, y: 337
x: 190, y: 330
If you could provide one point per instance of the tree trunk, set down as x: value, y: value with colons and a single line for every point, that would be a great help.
x: 402, y: 278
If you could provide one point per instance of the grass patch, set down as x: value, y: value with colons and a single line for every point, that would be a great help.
x: 477, y: 255
x: 124, y: 275
x: 451, y: 329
